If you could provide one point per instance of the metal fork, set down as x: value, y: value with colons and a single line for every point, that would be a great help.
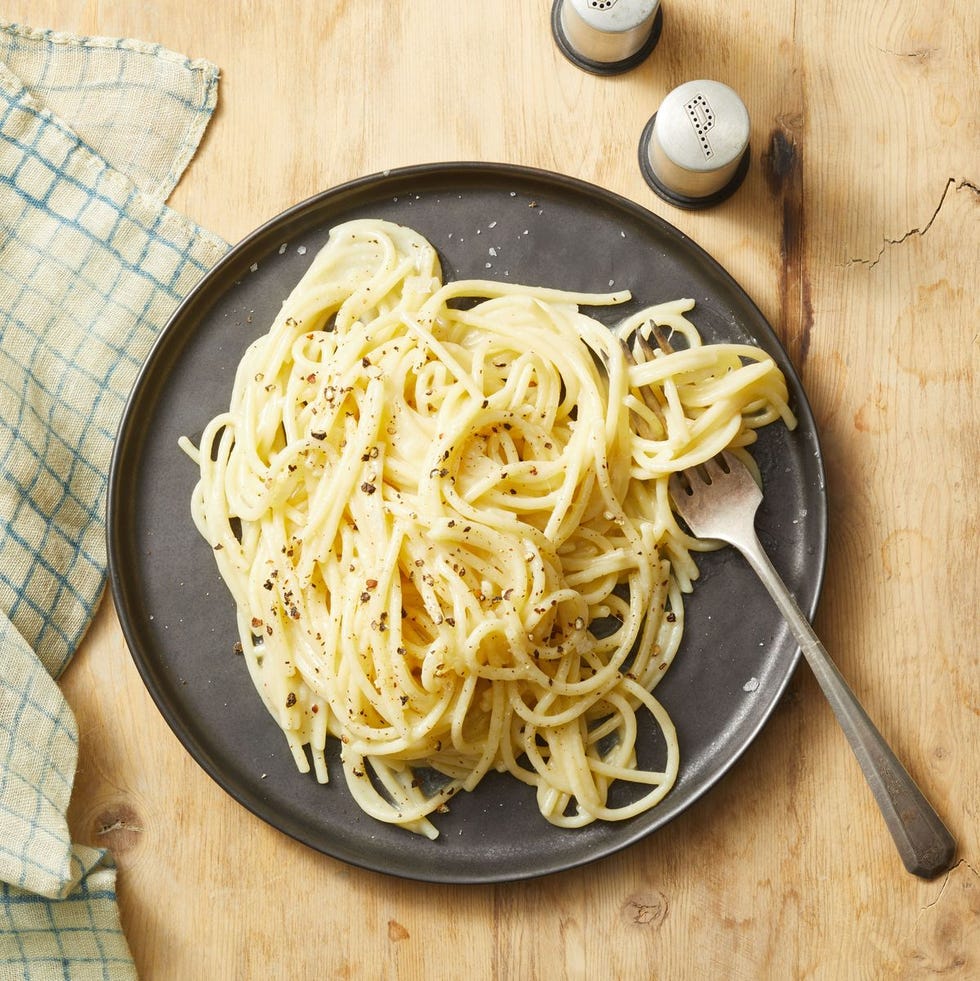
x: 721, y: 503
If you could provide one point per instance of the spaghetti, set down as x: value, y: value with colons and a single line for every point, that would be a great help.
x: 446, y: 528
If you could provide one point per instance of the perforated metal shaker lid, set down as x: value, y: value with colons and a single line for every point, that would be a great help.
x: 694, y: 151
x: 606, y: 37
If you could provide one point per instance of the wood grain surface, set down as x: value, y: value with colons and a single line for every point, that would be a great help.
x: 856, y: 232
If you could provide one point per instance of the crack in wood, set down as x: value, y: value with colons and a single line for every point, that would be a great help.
x: 919, y: 54
x: 950, y: 182
x: 937, y: 908
x: 119, y: 825
x: 962, y: 862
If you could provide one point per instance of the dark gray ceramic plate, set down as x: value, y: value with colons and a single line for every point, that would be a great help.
x: 488, y: 221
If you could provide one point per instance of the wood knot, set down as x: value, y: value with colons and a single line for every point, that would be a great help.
x: 648, y: 909
x: 781, y: 160
x: 117, y: 828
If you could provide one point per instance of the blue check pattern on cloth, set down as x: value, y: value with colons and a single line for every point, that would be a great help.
x: 94, y: 134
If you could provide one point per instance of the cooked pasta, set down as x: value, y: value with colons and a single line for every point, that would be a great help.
x: 442, y: 512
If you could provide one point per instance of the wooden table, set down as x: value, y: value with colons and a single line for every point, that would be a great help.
x: 856, y: 232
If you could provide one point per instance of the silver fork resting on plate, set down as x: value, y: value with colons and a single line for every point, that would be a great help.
x: 721, y: 503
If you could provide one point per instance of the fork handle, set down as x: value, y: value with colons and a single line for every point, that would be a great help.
x: 924, y: 842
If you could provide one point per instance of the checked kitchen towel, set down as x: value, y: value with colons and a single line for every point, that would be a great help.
x: 94, y: 134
